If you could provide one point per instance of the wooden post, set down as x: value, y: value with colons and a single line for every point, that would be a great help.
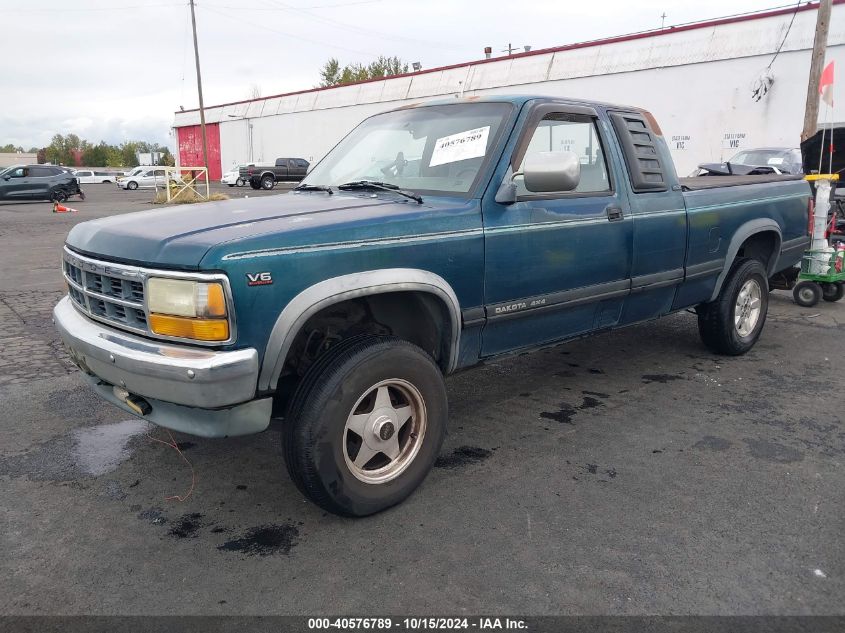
x: 811, y: 109
x: 199, y: 90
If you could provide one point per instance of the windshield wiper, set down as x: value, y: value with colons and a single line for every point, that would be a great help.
x: 328, y: 190
x: 384, y: 186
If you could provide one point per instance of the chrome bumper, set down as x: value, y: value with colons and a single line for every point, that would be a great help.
x: 182, y: 382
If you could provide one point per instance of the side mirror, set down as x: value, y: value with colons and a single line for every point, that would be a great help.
x: 551, y: 171
x: 6, y: 177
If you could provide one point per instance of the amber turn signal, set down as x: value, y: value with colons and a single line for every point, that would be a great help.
x: 182, y: 327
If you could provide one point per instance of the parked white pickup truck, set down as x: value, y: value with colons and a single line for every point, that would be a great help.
x: 89, y: 177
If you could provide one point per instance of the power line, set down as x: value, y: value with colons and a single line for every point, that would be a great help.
x: 339, y: 5
x: 359, y: 29
x: 291, y: 35
x: 785, y: 35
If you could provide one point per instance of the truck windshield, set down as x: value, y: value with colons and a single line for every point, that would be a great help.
x: 430, y: 149
x: 761, y: 157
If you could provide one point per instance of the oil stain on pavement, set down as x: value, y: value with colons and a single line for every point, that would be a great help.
x: 264, y: 540
x: 463, y: 456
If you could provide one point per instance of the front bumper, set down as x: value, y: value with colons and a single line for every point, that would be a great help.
x: 204, y: 392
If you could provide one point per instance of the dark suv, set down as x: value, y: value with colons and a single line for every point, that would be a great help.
x: 38, y: 182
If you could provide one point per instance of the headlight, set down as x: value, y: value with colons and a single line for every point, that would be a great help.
x: 187, y: 309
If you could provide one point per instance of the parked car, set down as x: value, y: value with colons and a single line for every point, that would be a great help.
x: 233, y: 178
x: 87, y: 176
x: 764, y: 160
x: 38, y: 182
x: 506, y: 223
x: 266, y: 176
x: 133, y: 172
x: 146, y: 179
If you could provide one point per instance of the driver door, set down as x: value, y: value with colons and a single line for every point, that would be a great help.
x: 19, y: 184
x: 557, y: 264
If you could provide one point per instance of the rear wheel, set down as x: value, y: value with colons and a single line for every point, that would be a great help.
x: 733, y: 322
x: 833, y: 292
x: 58, y: 196
x: 807, y: 293
x: 268, y: 182
x: 366, y: 425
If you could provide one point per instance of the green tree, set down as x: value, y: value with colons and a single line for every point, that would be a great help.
x: 167, y: 158
x: 10, y: 149
x: 58, y: 151
x: 331, y: 73
x: 95, y: 155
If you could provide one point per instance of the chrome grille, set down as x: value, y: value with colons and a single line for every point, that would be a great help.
x: 107, y: 292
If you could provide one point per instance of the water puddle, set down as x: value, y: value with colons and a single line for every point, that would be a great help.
x: 100, y: 449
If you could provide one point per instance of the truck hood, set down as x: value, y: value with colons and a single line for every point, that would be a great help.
x: 180, y: 236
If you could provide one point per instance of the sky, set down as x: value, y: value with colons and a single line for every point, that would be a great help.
x: 116, y: 70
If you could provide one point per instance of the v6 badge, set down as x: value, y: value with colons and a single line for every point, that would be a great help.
x: 259, y: 279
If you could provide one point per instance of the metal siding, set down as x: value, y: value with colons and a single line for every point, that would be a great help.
x: 190, y: 148
x: 696, y: 81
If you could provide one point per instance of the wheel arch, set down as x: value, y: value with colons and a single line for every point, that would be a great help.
x: 329, y: 292
x: 761, y: 234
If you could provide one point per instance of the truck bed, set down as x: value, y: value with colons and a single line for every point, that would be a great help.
x: 712, y: 182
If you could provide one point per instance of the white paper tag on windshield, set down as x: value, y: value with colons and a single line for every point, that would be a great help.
x: 461, y: 146
x: 777, y: 160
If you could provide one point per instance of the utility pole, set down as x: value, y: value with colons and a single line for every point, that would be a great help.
x: 811, y: 109
x: 199, y: 90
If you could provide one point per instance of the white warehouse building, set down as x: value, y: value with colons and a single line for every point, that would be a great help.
x: 699, y: 80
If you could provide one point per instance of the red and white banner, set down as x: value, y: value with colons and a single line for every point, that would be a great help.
x: 826, y: 85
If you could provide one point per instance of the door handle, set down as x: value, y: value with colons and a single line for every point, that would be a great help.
x: 614, y: 214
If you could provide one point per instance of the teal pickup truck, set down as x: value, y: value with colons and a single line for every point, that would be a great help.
x: 430, y: 238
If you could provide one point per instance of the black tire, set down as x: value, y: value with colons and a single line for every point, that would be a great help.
x: 231, y: 185
x: 240, y: 182
x: 807, y: 293
x: 58, y: 196
x: 316, y: 440
x: 268, y: 182
x: 132, y: 185
x: 254, y: 183
x: 716, y: 320
x: 833, y: 292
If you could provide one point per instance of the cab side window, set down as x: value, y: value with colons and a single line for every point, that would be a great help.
x: 40, y: 172
x: 565, y: 133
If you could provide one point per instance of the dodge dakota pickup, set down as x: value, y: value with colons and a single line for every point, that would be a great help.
x: 430, y: 238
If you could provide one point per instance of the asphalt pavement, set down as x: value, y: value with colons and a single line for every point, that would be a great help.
x: 629, y: 473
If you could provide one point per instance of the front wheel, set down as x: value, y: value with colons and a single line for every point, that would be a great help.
x: 268, y: 182
x: 732, y: 323
x: 254, y: 184
x: 807, y: 294
x: 240, y: 182
x: 366, y: 425
x: 132, y: 185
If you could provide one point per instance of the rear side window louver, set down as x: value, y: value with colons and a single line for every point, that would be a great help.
x: 640, y: 150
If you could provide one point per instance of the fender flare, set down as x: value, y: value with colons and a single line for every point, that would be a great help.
x: 336, y: 289
x: 760, y: 225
